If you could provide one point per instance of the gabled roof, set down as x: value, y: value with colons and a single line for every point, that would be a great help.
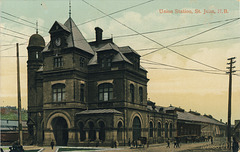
x: 186, y: 116
x: 237, y: 126
x: 127, y: 49
x: 76, y: 39
x: 108, y: 46
x: 53, y: 28
x: 120, y: 57
x: 99, y: 111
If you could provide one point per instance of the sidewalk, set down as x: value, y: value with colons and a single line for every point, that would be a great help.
x: 194, y: 147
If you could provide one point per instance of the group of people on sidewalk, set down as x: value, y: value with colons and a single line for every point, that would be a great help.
x: 176, y: 143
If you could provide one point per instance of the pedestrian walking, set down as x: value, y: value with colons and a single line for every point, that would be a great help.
x: 52, y: 144
x: 129, y: 142
x: 168, y: 143
x: 211, y: 140
x: 175, y: 143
x: 235, y: 146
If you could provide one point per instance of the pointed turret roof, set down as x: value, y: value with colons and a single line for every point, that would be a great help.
x: 76, y: 39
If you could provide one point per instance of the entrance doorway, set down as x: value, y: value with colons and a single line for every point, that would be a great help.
x: 60, y: 131
x: 136, y: 128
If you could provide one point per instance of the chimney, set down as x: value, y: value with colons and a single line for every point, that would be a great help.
x: 98, y: 31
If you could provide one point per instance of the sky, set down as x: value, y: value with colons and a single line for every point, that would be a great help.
x: 188, y: 72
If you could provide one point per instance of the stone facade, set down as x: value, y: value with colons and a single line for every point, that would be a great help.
x: 87, y: 93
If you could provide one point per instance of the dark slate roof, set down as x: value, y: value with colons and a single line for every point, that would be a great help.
x: 36, y: 40
x: 75, y: 38
x: 127, y: 49
x: 40, y: 69
x: 237, y: 127
x: 108, y: 46
x: 99, y: 111
x: 186, y: 116
x: 93, y: 60
x: 141, y: 67
x: 62, y: 26
x: 105, y: 47
x: 120, y: 57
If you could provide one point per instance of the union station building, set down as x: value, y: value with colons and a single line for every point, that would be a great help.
x: 83, y: 92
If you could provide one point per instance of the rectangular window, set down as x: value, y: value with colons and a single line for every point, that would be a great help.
x: 103, y: 63
x: 58, y: 62
x: 105, y: 96
x: 82, y: 92
x: 109, y: 62
x: 82, y: 59
x: 37, y: 55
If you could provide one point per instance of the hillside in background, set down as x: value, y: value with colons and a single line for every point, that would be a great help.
x: 11, y: 113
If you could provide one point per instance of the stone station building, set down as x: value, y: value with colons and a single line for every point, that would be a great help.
x: 81, y: 93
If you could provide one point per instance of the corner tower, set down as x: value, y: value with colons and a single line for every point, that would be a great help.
x: 34, y: 64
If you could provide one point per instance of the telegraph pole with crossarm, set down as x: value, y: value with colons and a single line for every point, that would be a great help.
x: 230, y: 98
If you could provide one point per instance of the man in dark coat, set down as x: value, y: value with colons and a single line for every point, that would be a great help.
x: 52, y: 144
x: 235, y: 145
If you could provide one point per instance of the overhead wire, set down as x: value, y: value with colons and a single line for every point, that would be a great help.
x: 14, y: 31
x: 175, y: 28
x: 187, y: 39
x: 203, y: 42
x: 12, y: 35
x: 115, y: 12
x: 158, y: 42
x: 20, y: 23
x: 180, y: 68
x: 22, y: 19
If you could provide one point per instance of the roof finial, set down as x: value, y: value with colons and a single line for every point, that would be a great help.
x: 69, y: 8
x: 37, y: 27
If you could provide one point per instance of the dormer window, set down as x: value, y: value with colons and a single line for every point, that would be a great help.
x: 106, y: 63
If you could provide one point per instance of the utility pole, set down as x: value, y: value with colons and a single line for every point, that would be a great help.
x: 230, y: 98
x: 19, y: 99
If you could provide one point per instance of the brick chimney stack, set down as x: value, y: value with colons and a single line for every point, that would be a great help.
x: 98, y: 31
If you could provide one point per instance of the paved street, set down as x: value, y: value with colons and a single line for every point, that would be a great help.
x: 219, y: 145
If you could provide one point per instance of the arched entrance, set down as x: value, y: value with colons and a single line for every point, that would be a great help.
x: 102, y: 131
x: 119, y: 131
x: 136, y: 128
x: 60, y: 131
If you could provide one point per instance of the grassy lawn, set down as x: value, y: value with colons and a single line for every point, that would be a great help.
x: 75, y: 149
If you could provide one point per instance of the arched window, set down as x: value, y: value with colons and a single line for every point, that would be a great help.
x: 82, y: 92
x: 102, y: 131
x: 105, y: 92
x: 82, y: 132
x: 92, y: 132
x: 151, y: 129
x: 58, y: 92
x: 159, y: 129
x: 119, y: 131
x: 132, y: 93
x: 37, y: 54
x: 170, y: 130
x: 166, y: 130
x: 141, y: 94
